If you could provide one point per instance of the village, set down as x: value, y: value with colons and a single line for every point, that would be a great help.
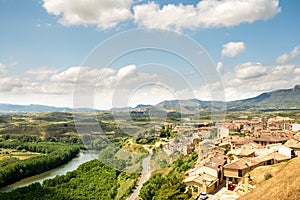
x: 228, y: 152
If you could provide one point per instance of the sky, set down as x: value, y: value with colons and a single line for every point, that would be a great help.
x: 48, y: 48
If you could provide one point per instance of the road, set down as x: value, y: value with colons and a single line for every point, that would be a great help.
x: 145, y: 175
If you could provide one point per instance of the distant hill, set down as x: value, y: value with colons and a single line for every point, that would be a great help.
x: 284, y: 99
x: 11, y: 108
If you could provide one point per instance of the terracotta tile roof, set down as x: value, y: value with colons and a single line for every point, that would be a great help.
x: 274, y: 155
x: 251, y: 161
x: 241, y: 164
x: 270, y: 139
x: 243, y: 151
x: 236, y: 165
x: 219, y: 159
x: 209, y: 179
x: 241, y: 121
x: 292, y: 143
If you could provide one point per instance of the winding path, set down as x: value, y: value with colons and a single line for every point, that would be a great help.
x: 145, y: 175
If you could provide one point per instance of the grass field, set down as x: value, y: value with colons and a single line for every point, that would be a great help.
x: 13, y: 153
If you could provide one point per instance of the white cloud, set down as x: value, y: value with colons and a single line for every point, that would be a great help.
x: 232, y: 49
x: 219, y: 66
x: 284, y: 58
x: 2, y: 69
x: 250, y: 79
x: 169, y: 17
x: 250, y: 70
x: 124, y: 71
x: 297, y: 71
x: 105, y: 14
x: 41, y: 73
x: 80, y: 74
x: 10, y: 84
x: 206, y: 14
x: 281, y: 70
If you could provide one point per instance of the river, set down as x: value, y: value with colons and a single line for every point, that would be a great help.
x: 70, y: 166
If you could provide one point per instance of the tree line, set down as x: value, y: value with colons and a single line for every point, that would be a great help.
x: 54, y: 155
x: 91, y: 180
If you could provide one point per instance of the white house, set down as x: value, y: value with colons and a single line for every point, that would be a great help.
x: 295, y: 127
x: 280, y: 149
x: 222, y: 132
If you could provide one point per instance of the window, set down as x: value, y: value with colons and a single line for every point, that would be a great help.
x: 240, y: 173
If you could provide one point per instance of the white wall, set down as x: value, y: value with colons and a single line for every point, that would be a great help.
x: 295, y: 127
x: 222, y: 132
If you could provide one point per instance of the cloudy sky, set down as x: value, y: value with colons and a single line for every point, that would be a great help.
x: 254, y: 46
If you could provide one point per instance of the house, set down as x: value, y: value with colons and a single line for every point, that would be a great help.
x: 208, y: 174
x: 295, y: 145
x: 279, y: 123
x: 281, y: 149
x: 270, y: 158
x: 240, y: 124
x: 226, y: 145
x: 238, y: 142
x: 203, y: 182
x: 217, y: 163
x: 295, y: 127
x: 242, y: 152
x: 206, y: 135
x: 188, y: 149
x: 236, y: 170
x: 222, y: 132
x: 269, y: 139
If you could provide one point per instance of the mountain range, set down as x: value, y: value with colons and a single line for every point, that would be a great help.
x: 12, y: 108
x: 284, y: 99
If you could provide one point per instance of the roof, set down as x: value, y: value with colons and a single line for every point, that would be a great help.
x: 241, y: 121
x: 209, y: 179
x: 270, y: 139
x: 274, y: 155
x: 254, y: 145
x: 292, y: 143
x: 243, y: 151
x: 219, y: 159
x: 236, y: 165
x: 242, y: 163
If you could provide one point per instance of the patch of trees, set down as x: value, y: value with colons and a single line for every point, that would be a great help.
x: 174, y: 116
x: 7, y: 161
x: 170, y: 186
x: 56, y: 154
x: 164, y: 187
x: 22, y: 138
x: 55, y: 117
x: 93, y: 142
x: 57, y: 130
x: 20, y: 128
x: 91, y: 180
x: 166, y: 133
x: 140, y: 116
x: 107, y: 156
x: 147, y: 137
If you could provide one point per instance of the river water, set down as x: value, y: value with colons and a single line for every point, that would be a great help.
x: 70, y: 166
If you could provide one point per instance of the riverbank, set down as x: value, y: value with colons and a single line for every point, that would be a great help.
x: 70, y: 166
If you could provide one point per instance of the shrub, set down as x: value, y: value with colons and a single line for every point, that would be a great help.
x: 268, y: 176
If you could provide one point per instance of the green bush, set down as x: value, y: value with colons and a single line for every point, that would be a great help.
x: 268, y: 176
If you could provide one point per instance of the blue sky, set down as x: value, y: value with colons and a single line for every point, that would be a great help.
x: 43, y: 44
